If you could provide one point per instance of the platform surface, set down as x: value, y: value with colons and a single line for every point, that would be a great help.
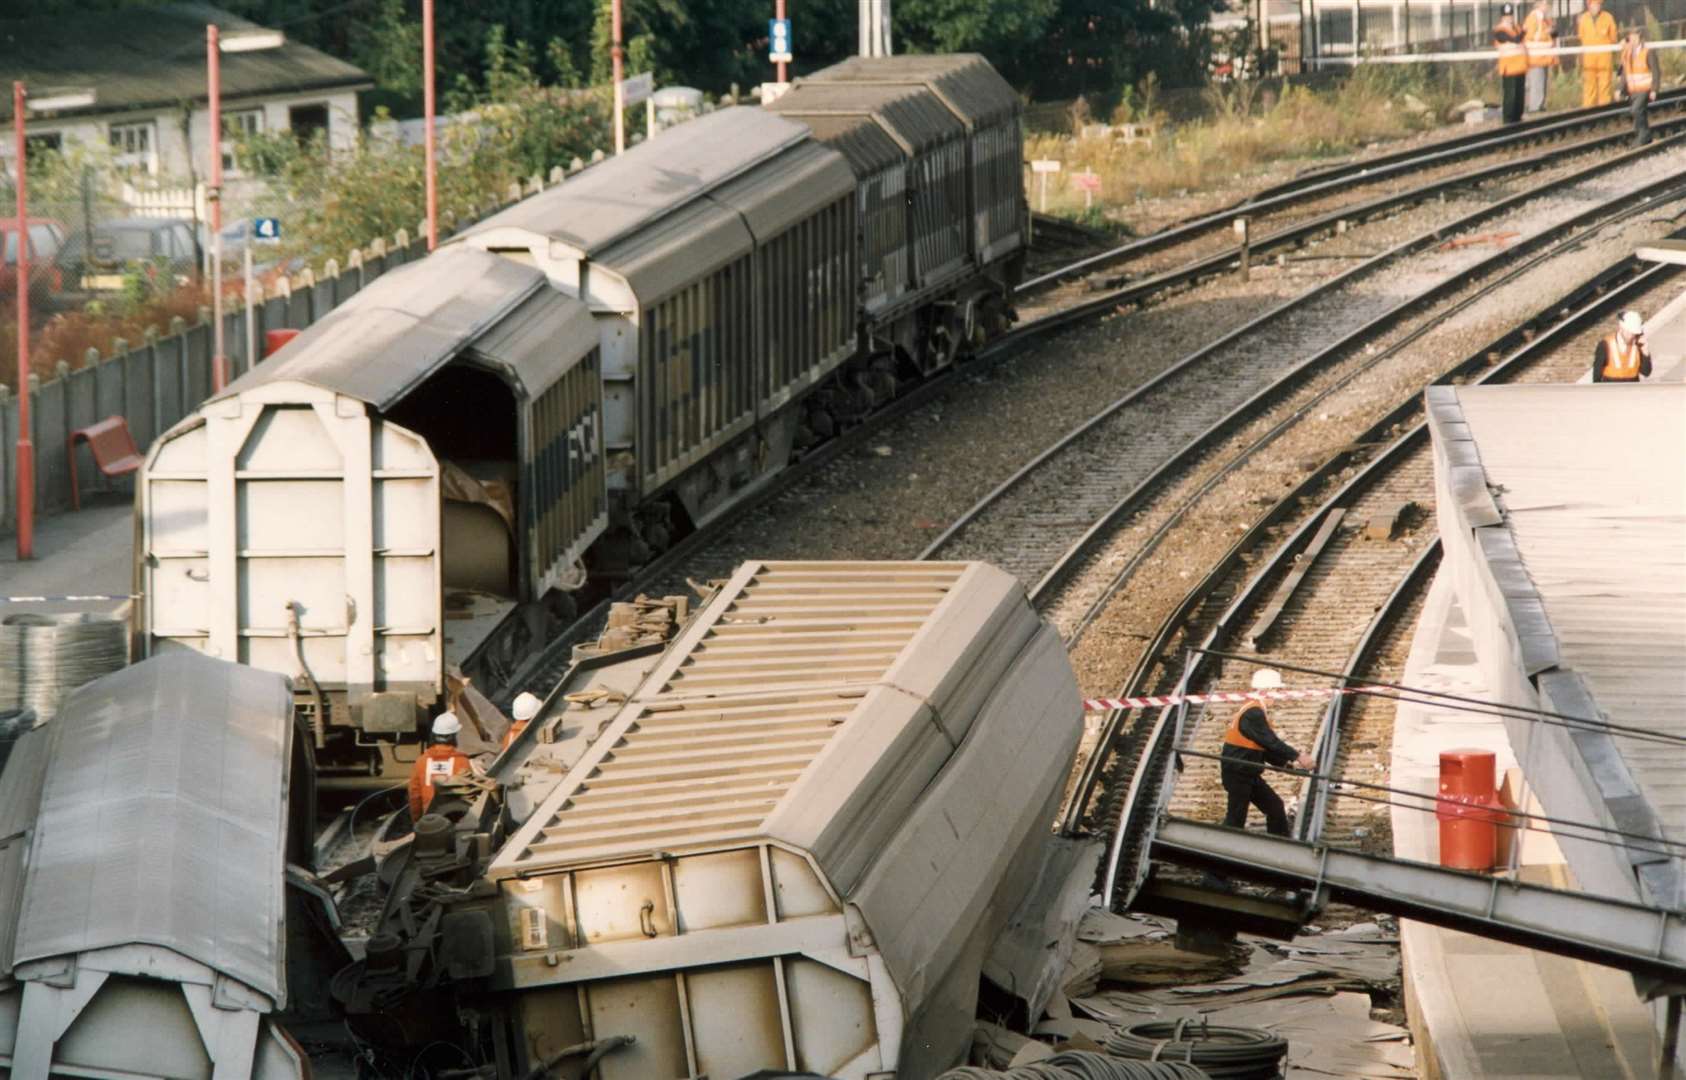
x: 87, y: 552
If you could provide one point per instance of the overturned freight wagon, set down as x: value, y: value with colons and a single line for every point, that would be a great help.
x: 792, y: 845
x: 402, y: 488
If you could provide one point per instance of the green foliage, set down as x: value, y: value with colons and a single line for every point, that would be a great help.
x: 995, y: 27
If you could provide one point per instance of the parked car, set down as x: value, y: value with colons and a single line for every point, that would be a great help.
x: 46, y: 278
x: 96, y: 264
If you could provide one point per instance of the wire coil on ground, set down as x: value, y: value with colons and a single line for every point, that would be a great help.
x: 1084, y: 1065
x: 1223, y: 1053
x: 43, y: 658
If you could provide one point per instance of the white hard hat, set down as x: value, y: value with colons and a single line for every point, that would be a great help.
x: 1267, y: 679
x: 446, y: 723
x: 1633, y: 322
x: 526, y: 705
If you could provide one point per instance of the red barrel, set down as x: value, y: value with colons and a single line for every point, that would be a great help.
x: 1468, y: 809
x: 274, y: 339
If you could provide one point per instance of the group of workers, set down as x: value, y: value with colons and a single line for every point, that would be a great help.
x: 1526, y: 60
x: 442, y: 758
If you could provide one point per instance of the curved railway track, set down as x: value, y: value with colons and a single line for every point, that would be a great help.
x: 1349, y: 608
x: 1286, y: 204
x: 549, y: 665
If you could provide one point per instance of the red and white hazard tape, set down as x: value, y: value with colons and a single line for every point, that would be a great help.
x: 1157, y: 701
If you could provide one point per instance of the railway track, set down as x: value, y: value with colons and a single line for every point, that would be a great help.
x: 1289, y: 213
x: 1350, y: 611
x: 551, y: 663
x: 1042, y: 522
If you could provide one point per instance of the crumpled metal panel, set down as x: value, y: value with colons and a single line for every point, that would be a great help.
x: 163, y: 818
x: 615, y: 199
x: 398, y: 330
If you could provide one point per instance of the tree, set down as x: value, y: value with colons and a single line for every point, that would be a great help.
x: 996, y: 28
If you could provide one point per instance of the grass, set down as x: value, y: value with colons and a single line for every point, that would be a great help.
x: 1247, y: 129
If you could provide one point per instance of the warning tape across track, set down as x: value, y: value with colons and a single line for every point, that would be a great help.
x: 1219, y: 697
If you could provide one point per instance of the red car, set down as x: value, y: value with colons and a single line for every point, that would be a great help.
x: 46, y: 280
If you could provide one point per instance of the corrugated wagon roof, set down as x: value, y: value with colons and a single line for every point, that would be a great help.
x: 965, y: 82
x: 908, y: 112
x: 163, y: 817
x: 780, y: 665
x: 137, y: 58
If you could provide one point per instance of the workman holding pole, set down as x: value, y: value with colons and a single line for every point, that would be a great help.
x: 1639, y: 83
x: 1250, y: 743
x: 439, y: 760
x: 1513, y: 62
x: 1623, y: 357
x: 1596, y: 27
x: 525, y: 707
x: 1539, y: 33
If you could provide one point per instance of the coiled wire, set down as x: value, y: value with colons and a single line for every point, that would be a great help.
x: 1224, y: 1053
x: 43, y: 658
x: 1083, y: 1065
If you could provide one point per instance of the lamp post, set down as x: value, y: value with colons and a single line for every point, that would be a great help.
x: 778, y: 13
x: 215, y: 45
x: 615, y: 58
x: 26, y: 446
x: 427, y: 131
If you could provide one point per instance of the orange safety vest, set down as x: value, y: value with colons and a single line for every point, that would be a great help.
x: 512, y: 734
x: 1513, y: 55
x: 436, y: 762
x: 1539, y: 32
x: 1621, y: 365
x: 1636, y: 66
x: 1597, y: 29
x: 1233, y: 736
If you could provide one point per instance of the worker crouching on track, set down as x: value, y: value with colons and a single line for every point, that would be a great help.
x: 1249, y: 743
x: 1639, y: 83
x: 1513, y: 62
x: 439, y: 760
x: 524, y: 707
x: 1623, y: 357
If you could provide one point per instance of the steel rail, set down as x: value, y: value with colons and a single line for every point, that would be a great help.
x: 1339, y: 178
x: 1367, y: 268
x: 1135, y: 816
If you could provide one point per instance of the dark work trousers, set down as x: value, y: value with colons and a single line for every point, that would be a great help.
x: 1514, y: 88
x: 1243, y: 793
x: 1641, y: 108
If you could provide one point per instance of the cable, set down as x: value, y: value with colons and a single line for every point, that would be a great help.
x: 1499, y: 811
x: 1083, y: 1065
x: 1476, y: 705
x: 1223, y: 1053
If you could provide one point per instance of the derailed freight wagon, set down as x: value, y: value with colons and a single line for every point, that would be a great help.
x: 408, y: 485
x: 793, y: 844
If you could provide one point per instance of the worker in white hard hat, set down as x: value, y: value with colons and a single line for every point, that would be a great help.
x: 1623, y: 357
x: 439, y: 760
x: 525, y: 707
x: 1250, y: 743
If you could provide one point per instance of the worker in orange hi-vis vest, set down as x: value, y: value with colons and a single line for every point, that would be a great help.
x: 1623, y: 357
x: 439, y: 760
x: 1513, y: 62
x: 1639, y: 83
x: 1596, y: 27
x: 1539, y: 34
x: 525, y: 707
x: 1249, y: 745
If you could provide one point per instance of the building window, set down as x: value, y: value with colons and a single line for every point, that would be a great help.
x: 135, y: 146
x: 237, y: 126
x: 307, y: 120
x: 35, y: 145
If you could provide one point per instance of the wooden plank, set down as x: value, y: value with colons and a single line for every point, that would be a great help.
x: 1302, y: 564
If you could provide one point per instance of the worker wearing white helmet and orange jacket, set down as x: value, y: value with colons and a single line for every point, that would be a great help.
x: 1623, y: 357
x: 439, y: 760
x: 1249, y: 744
x: 525, y: 707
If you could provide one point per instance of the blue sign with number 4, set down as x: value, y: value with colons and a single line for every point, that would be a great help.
x: 266, y: 228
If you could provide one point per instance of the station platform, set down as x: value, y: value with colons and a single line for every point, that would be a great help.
x: 1477, y: 1008
x: 88, y: 552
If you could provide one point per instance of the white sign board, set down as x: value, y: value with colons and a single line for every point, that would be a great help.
x: 1044, y: 165
x: 638, y: 87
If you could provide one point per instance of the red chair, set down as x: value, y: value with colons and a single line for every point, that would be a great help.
x: 113, y: 449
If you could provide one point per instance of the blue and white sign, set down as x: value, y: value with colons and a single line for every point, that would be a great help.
x: 778, y: 36
x: 266, y: 228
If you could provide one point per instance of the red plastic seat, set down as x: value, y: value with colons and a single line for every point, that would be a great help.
x: 113, y: 448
